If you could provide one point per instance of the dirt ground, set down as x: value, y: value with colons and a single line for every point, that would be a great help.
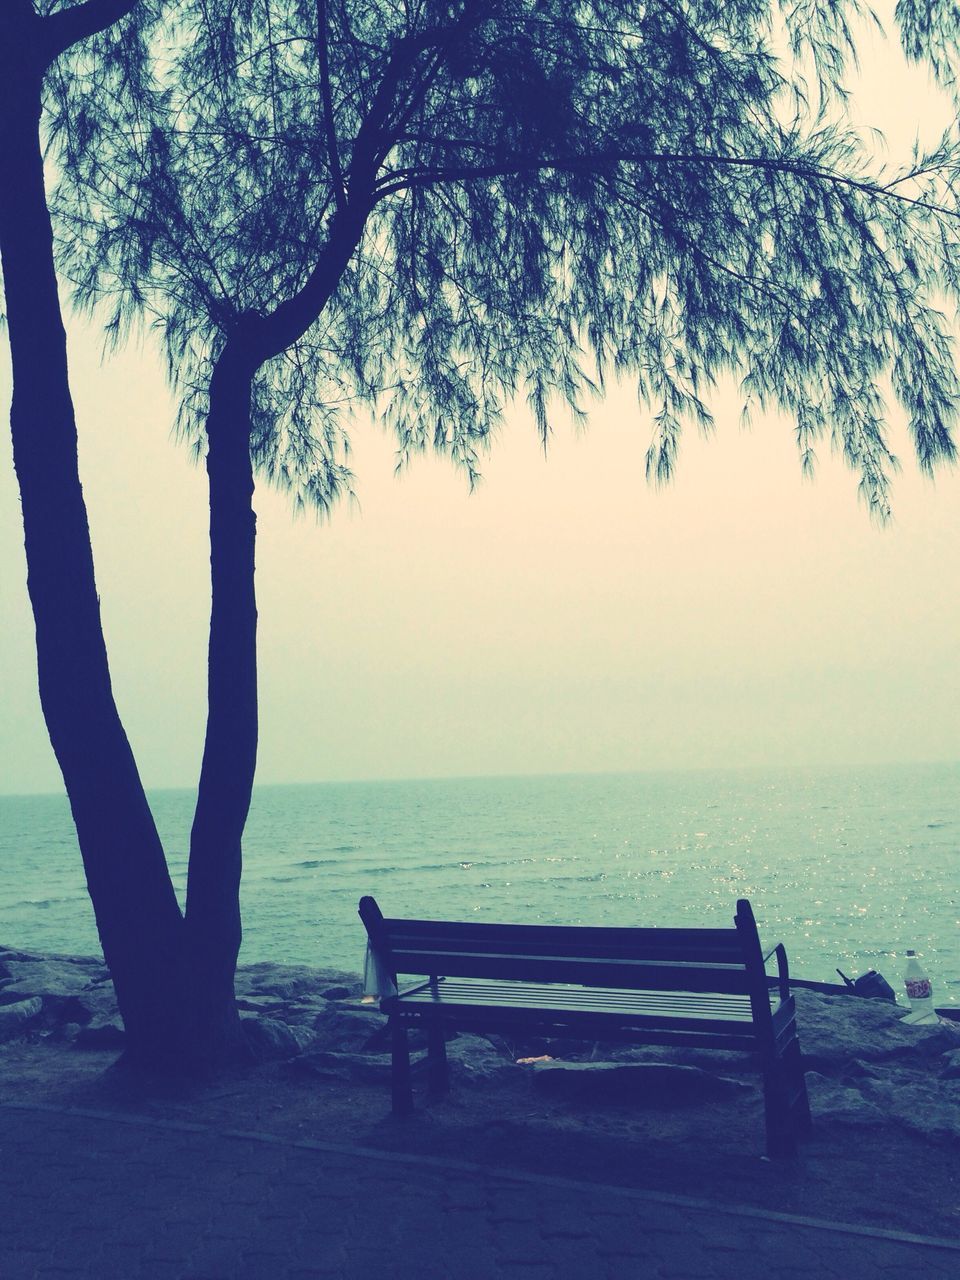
x: 881, y: 1177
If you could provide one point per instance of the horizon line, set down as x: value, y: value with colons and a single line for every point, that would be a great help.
x: 796, y: 766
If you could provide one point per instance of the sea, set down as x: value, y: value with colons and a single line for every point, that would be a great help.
x: 848, y: 867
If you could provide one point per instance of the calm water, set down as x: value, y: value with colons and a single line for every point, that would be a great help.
x: 847, y: 867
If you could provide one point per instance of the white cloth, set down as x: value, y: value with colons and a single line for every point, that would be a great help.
x: 377, y: 978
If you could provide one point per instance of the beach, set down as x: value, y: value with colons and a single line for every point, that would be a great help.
x: 881, y: 1159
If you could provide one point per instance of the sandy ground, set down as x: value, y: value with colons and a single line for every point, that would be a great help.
x: 882, y: 1177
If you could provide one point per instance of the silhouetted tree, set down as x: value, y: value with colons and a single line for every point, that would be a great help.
x: 432, y: 209
x: 136, y: 908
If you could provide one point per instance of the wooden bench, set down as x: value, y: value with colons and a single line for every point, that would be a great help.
x: 702, y: 988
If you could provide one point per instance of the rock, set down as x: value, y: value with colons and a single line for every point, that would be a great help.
x: 640, y: 1083
x: 260, y: 1004
x: 350, y: 1030
x: 917, y: 1103
x: 951, y: 1067
x: 362, y: 1068
x: 473, y: 1060
x: 715, y: 1061
x: 101, y: 1033
x: 292, y: 982
x: 48, y: 977
x: 60, y: 957
x: 855, y: 1070
x: 14, y: 1017
x: 534, y: 1046
x: 342, y: 993
x: 269, y: 1038
x: 836, y: 1029
x: 95, y: 1003
x: 302, y: 1015
x: 832, y: 1102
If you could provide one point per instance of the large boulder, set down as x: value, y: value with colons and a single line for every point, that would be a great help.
x: 95, y: 1003
x: 350, y: 1029
x: 866, y: 1066
x: 265, y: 1005
x: 294, y: 982
x: 268, y: 1038
x: 53, y: 977
x: 474, y: 1060
x: 93, y: 963
x: 834, y: 1030
x: 920, y: 1102
x: 99, y: 1033
x: 15, y: 1017
x: 832, y: 1102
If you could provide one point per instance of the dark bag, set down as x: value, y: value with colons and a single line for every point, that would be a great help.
x: 871, y: 985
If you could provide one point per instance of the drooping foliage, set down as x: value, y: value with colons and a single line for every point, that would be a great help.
x: 930, y: 31
x: 542, y: 194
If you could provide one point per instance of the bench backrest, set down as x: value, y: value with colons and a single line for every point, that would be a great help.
x: 659, y: 959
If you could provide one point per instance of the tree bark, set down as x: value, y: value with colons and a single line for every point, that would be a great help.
x: 137, y: 915
x: 230, y: 745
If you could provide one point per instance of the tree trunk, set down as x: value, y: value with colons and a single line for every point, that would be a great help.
x: 230, y: 746
x: 137, y: 915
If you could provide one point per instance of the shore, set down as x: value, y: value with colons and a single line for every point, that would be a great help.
x: 885, y: 1097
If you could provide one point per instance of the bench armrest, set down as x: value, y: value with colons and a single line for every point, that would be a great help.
x: 782, y: 980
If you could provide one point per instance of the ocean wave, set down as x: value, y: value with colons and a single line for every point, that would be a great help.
x: 44, y: 904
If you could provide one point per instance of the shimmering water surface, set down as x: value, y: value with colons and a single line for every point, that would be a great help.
x: 849, y: 867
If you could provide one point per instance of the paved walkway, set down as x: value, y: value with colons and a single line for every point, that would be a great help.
x: 94, y: 1195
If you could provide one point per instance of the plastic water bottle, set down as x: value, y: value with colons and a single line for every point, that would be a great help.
x: 919, y: 988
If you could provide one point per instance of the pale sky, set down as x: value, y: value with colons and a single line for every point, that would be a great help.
x: 565, y: 617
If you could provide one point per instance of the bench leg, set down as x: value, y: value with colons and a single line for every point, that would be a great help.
x: 786, y: 1103
x: 438, y: 1074
x: 800, y: 1102
x: 781, y: 1133
x: 400, y: 1073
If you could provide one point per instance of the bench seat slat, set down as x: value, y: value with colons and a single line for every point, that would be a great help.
x: 452, y: 998
x: 569, y: 996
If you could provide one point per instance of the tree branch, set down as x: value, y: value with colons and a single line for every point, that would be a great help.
x: 406, y: 179
x: 69, y: 26
x: 323, y: 55
x: 274, y: 332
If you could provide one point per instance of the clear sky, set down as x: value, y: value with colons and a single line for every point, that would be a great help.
x: 564, y: 617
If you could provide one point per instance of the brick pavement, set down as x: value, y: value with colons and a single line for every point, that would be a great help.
x: 97, y: 1196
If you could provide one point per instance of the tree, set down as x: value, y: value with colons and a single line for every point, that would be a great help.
x: 136, y: 908
x: 434, y: 208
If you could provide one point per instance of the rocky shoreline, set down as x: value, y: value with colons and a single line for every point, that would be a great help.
x: 865, y: 1068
